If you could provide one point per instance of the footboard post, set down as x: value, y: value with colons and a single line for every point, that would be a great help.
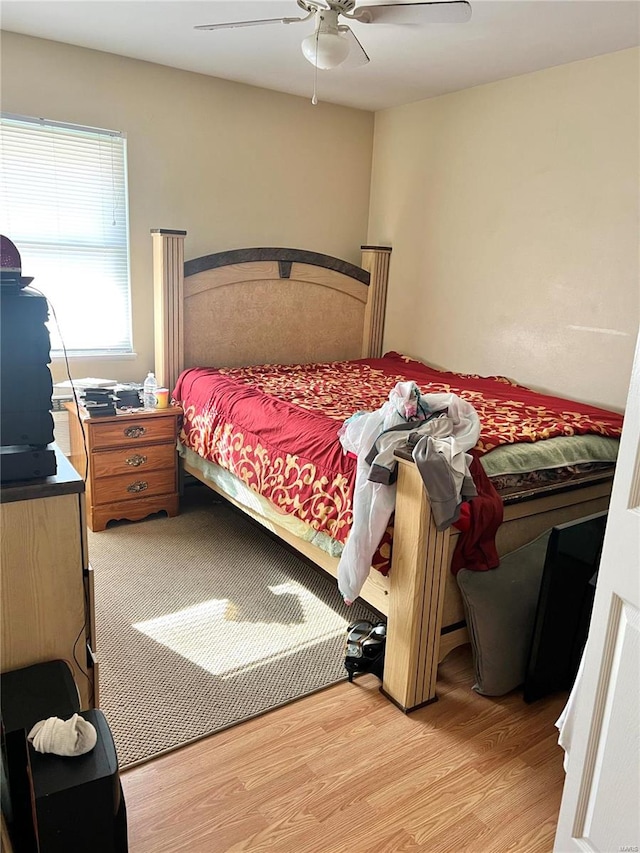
x: 418, y: 574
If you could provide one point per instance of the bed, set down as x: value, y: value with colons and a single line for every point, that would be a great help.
x: 252, y: 307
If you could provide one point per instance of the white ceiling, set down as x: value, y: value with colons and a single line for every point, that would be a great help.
x: 408, y: 63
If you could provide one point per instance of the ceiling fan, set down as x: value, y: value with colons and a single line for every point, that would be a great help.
x: 334, y: 44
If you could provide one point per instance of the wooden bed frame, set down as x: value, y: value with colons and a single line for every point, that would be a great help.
x: 256, y: 306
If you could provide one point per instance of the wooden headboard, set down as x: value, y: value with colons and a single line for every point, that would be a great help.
x: 264, y: 305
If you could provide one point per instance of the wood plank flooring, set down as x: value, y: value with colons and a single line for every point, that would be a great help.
x: 344, y: 771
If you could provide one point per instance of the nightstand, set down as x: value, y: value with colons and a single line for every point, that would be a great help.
x: 130, y: 464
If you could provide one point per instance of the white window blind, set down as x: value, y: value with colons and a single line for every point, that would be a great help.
x: 64, y: 205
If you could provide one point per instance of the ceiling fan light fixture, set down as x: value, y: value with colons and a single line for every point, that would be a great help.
x: 325, y: 50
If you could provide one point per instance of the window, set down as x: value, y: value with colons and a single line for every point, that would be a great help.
x: 64, y: 205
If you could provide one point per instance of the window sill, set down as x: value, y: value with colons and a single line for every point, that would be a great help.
x: 95, y: 356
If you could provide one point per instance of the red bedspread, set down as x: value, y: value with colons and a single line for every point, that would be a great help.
x: 275, y: 426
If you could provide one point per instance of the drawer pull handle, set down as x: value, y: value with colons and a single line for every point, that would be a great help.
x: 136, y: 460
x: 138, y: 486
x: 134, y: 431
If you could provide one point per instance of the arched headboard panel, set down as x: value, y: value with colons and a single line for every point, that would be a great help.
x: 255, y: 306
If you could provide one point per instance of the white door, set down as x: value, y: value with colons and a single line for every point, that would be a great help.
x: 601, y: 799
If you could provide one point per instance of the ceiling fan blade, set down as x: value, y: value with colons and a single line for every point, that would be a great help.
x: 453, y: 12
x: 357, y: 54
x: 232, y: 24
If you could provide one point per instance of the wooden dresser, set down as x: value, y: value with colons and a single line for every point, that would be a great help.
x: 129, y: 463
x: 47, y: 582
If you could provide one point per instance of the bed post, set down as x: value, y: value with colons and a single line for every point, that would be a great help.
x: 419, y: 565
x: 375, y: 259
x: 168, y: 282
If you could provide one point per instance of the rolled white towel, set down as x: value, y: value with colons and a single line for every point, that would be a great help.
x: 63, y: 737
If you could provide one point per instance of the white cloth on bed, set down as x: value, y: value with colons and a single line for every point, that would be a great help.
x: 373, y: 502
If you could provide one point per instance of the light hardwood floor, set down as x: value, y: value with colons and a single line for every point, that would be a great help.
x: 344, y: 771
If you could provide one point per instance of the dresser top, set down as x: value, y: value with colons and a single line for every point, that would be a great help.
x: 66, y: 481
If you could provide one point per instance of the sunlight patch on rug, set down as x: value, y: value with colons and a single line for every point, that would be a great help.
x: 215, y: 636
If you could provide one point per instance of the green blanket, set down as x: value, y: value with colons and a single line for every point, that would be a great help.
x: 550, y: 453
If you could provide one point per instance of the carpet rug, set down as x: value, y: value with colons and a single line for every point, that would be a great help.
x: 203, y: 621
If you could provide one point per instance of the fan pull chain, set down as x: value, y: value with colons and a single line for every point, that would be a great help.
x: 314, y: 100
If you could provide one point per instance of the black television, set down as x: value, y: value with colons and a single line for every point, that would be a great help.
x: 565, y: 602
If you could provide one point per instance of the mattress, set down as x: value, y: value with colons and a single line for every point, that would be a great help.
x: 275, y: 429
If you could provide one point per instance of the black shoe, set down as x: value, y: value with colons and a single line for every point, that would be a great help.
x: 364, y: 648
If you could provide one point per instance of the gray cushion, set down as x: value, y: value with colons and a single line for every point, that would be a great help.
x: 500, y: 605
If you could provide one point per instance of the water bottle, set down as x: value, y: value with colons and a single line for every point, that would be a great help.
x: 149, y: 391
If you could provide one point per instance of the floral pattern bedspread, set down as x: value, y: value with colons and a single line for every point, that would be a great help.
x: 276, y: 426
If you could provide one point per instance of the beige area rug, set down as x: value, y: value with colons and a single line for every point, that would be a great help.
x: 204, y: 621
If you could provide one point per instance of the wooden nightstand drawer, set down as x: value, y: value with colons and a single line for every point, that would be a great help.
x: 134, y: 485
x: 129, y: 431
x: 133, y: 461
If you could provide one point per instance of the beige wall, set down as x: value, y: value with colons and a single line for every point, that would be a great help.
x: 512, y: 209
x: 234, y: 165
